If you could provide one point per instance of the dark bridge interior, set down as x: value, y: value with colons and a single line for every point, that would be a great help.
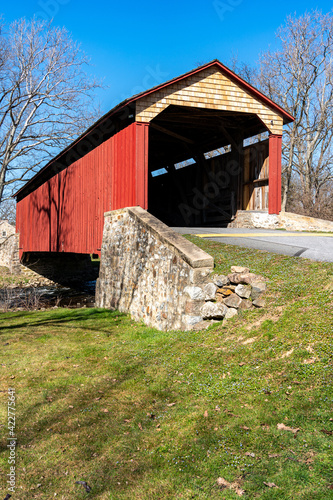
x: 200, y: 173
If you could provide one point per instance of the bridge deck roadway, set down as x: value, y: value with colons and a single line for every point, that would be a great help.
x: 315, y: 246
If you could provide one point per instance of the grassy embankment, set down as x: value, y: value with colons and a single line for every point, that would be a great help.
x: 140, y: 414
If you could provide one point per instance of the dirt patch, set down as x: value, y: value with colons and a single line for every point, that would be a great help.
x: 249, y: 341
x: 271, y: 317
x: 287, y: 354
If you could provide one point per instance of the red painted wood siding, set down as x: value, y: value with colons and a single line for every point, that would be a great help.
x: 274, y: 183
x: 130, y: 177
x: 66, y: 213
x: 142, y: 131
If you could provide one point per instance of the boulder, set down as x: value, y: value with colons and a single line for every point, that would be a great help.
x: 243, y: 291
x: 233, y: 301
x: 258, y: 287
x: 246, y: 304
x: 193, y: 307
x: 190, y: 320
x: 213, y: 310
x: 231, y: 313
x: 210, y: 291
x: 224, y: 291
x: 194, y: 292
x: 220, y: 280
x: 259, y: 302
x: 242, y: 278
x: 238, y: 269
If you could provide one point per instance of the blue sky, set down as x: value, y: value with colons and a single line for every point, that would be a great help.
x: 134, y: 45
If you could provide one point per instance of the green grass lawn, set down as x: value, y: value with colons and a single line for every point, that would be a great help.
x: 9, y: 279
x: 142, y: 414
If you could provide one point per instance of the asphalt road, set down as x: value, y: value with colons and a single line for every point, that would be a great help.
x: 315, y: 246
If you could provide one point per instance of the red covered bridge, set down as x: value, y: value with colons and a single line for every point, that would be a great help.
x: 178, y: 150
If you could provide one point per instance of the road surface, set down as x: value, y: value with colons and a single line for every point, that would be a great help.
x: 315, y: 246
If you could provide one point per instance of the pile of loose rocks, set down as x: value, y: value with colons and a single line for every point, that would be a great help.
x: 224, y: 296
x: 33, y: 279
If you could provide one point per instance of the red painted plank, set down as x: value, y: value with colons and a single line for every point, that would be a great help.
x: 124, y: 168
x: 142, y: 133
x: 274, y: 183
x: 54, y: 203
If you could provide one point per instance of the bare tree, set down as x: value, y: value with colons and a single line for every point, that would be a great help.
x: 45, y: 97
x: 8, y: 211
x: 300, y: 77
x: 248, y: 72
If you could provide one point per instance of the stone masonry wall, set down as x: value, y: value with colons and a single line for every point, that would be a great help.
x: 161, y: 278
x: 9, y: 251
x: 145, y: 268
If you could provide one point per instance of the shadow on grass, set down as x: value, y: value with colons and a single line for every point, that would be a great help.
x: 59, y: 317
x: 80, y: 437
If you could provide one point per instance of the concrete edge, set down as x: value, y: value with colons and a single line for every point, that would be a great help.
x: 187, y: 250
x: 285, y: 216
x: 284, y: 220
